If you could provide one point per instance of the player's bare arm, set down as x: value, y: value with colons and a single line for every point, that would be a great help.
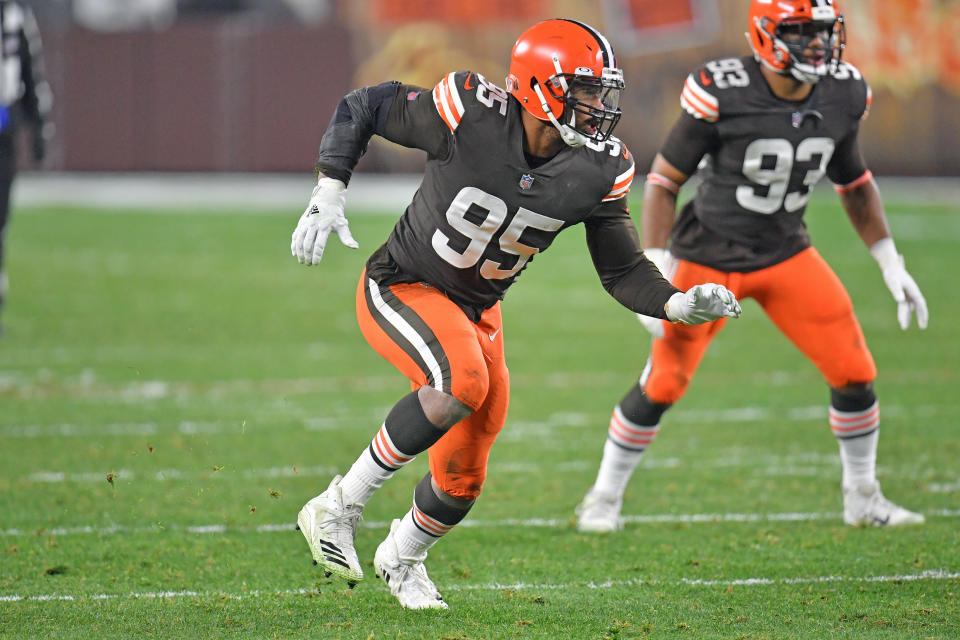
x: 660, y: 203
x: 864, y: 206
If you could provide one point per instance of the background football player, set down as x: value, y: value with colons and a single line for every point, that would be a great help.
x: 25, y: 99
x: 506, y: 172
x: 767, y: 128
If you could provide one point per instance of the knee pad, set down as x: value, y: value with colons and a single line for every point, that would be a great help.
x: 470, y: 386
x: 666, y: 386
x: 433, y: 515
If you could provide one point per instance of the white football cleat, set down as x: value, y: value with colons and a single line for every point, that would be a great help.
x: 599, y: 512
x: 406, y: 577
x: 329, y: 527
x: 866, y: 506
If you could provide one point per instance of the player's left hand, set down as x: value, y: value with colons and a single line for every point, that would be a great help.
x: 323, y: 215
x: 907, y: 294
x: 901, y: 284
x: 702, y: 303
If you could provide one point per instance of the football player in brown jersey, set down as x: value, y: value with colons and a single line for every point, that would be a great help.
x: 506, y: 172
x: 766, y: 128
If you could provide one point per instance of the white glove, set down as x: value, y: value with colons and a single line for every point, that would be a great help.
x: 702, y: 303
x: 324, y: 214
x: 905, y: 291
x: 667, y: 264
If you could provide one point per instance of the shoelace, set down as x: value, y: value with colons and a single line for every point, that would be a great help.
x: 350, y: 517
x: 417, y: 572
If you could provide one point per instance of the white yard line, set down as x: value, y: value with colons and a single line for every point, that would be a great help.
x: 555, y: 523
x: 762, y: 463
x: 937, y: 574
x: 515, y: 428
x: 798, y: 463
x: 164, y: 475
x: 944, y: 487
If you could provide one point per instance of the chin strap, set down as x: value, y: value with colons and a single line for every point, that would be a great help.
x: 570, y: 135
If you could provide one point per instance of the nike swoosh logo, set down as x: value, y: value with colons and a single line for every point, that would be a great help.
x: 704, y: 79
x: 626, y: 154
x: 466, y: 83
x: 493, y: 336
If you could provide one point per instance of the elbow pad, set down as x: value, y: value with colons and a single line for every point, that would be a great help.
x: 359, y: 115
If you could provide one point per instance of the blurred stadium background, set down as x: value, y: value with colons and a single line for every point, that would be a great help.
x: 249, y: 85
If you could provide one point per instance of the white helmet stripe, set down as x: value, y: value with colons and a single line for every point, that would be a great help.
x: 608, y: 58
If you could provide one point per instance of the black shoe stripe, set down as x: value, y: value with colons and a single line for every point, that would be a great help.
x: 332, y: 550
x: 336, y: 561
x: 330, y: 545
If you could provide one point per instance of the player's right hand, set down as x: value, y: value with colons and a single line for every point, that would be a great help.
x: 664, y: 261
x: 324, y: 214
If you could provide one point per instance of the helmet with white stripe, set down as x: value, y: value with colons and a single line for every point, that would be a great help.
x: 801, y: 38
x: 560, y: 68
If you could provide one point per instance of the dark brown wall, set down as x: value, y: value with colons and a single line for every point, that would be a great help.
x: 239, y: 94
x: 212, y: 96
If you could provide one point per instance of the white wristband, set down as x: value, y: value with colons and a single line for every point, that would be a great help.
x: 331, y: 183
x: 884, y: 251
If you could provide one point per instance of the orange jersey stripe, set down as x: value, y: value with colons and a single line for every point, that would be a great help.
x: 448, y: 98
x: 441, y: 110
x: 688, y: 100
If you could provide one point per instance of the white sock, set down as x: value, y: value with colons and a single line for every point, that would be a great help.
x: 857, y: 433
x: 412, y: 542
x: 363, y: 479
x: 616, y: 468
x: 859, y: 459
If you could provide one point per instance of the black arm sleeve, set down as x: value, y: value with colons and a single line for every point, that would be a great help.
x: 626, y: 274
x: 400, y: 113
x: 847, y: 163
x: 349, y: 131
x: 689, y: 140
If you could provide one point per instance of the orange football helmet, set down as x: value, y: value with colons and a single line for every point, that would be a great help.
x: 559, y: 68
x: 802, y: 38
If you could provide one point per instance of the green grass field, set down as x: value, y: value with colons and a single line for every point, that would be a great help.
x: 174, y: 386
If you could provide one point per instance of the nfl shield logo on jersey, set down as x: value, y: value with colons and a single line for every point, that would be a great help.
x: 526, y: 181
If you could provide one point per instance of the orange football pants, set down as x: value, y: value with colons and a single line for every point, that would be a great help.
x: 801, y: 295
x: 432, y: 342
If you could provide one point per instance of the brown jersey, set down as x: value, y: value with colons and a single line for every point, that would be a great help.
x: 482, y: 213
x: 758, y: 157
